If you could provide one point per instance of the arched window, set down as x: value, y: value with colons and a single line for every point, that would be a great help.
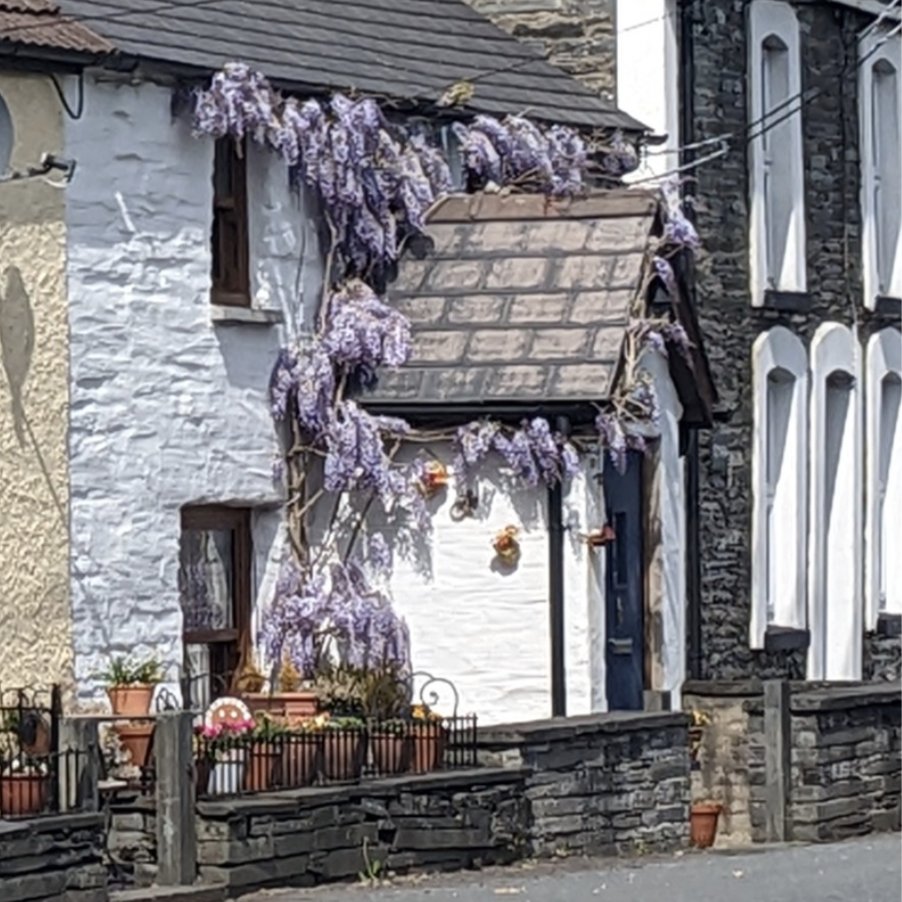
x: 779, y: 461
x: 880, y: 106
x: 6, y: 136
x: 836, y: 546
x: 883, y: 431
x: 777, y: 239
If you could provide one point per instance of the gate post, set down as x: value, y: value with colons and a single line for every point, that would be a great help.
x: 777, y: 759
x: 176, y: 830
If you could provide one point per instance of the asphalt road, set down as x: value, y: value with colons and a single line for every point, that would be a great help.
x: 864, y: 870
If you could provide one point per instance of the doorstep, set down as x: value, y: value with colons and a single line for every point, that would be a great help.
x: 205, y: 893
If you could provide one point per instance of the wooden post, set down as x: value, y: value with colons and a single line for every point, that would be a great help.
x: 79, y: 765
x: 176, y: 831
x: 777, y: 760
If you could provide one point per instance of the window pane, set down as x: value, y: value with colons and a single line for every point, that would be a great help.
x: 206, y: 579
x: 778, y: 144
x: 887, y: 169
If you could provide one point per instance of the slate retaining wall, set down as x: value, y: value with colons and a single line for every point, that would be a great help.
x: 55, y: 858
x: 603, y: 784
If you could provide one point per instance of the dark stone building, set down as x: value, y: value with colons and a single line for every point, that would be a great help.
x: 716, y: 99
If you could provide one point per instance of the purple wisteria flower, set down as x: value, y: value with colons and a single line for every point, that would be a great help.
x: 379, y: 554
x: 665, y: 273
x: 676, y: 334
x: 677, y: 228
x: 364, y: 330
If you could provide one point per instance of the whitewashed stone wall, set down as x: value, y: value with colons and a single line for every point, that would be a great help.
x: 167, y: 409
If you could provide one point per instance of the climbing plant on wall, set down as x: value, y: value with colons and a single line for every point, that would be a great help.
x: 375, y: 180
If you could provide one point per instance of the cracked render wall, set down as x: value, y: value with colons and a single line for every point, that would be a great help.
x: 730, y: 324
x: 34, y: 614
x: 168, y: 408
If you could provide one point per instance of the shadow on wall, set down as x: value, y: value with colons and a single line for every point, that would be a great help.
x: 16, y: 342
x: 16, y: 350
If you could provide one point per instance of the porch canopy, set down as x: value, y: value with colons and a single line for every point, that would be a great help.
x: 524, y: 301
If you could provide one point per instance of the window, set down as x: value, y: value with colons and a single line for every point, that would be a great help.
x: 215, y: 590
x: 6, y: 136
x: 835, y: 542
x: 779, y: 462
x: 880, y: 105
x: 777, y: 239
x: 883, y: 535
x: 231, y: 282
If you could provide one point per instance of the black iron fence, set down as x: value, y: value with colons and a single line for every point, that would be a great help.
x: 343, y: 753
x: 37, y: 776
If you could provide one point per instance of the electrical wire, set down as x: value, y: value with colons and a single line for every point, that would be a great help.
x: 812, y: 94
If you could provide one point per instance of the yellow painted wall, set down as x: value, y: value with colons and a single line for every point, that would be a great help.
x: 35, y: 639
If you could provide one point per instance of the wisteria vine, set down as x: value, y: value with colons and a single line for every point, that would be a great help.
x: 376, y: 181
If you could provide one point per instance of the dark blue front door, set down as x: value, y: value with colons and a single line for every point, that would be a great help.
x: 624, y: 596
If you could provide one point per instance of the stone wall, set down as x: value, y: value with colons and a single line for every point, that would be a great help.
x: 883, y: 650
x: 721, y: 772
x: 729, y: 324
x: 844, y: 759
x: 600, y: 785
x: 606, y: 784
x: 578, y: 36
x: 55, y: 858
x: 305, y: 837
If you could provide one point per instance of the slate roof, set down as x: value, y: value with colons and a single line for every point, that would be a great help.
x: 403, y: 49
x: 522, y: 300
x: 39, y: 24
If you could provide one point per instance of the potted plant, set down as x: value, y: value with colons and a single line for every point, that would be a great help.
x: 130, y: 687
x: 23, y: 783
x: 291, y: 702
x: 301, y: 749
x: 428, y: 738
x: 222, y: 755
x: 264, y: 754
x: 703, y: 818
x: 344, y: 748
x: 135, y: 739
x: 391, y: 745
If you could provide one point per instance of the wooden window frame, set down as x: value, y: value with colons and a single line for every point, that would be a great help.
x: 238, y: 521
x: 231, y: 284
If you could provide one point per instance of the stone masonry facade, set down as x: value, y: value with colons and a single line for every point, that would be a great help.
x: 578, y: 36
x: 729, y: 323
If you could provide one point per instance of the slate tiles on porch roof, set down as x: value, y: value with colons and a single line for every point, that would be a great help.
x: 522, y: 299
x: 40, y: 24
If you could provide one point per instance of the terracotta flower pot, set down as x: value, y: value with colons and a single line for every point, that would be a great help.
x: 293, y: 706
x: 135, y: 738
x: 22, y: 794
x: 300, y: 754
x: 344, y: 753
x: 391, y: 752
x: 263, y: 760
x: 428, y: 747
x: 131, y: 701
x: 703, y: 824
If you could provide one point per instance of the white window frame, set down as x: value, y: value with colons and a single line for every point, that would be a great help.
x: 836, y: 547
x: 778, y: 349
x: 884, y: 360
x: 778, y: 19
x: 875, y: 49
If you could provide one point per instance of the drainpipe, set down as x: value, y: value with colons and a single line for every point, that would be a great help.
x: 556, y: 590
x: 686, y: 75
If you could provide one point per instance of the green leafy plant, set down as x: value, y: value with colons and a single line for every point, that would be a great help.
x: 121, y: 672
x: 372, y: 867
x: 345, y: 723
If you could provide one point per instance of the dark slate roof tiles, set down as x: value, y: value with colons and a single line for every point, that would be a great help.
x: 38, y: 24
x: 402, y: 49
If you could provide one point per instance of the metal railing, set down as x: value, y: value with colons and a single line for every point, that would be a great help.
x: 238, y: 765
